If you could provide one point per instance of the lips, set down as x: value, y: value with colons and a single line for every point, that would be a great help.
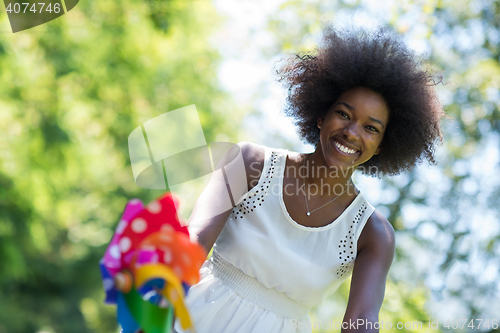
x: 343, y: 148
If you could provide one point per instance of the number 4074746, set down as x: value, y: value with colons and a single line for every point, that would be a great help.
x: 34, y: 8
x: 479, y: 323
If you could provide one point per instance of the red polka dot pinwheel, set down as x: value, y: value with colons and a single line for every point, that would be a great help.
x: 149, y: 266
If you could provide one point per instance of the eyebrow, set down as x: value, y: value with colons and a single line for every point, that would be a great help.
x: 352, y: 108
x: 377, y: 121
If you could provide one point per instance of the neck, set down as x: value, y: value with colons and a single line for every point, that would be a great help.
x: 330, y: 180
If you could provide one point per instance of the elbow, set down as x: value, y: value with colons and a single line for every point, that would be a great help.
x: 360, y: 323
x: 202, y: 240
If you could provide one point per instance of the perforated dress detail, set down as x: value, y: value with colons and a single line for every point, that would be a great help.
x: 267, y: 271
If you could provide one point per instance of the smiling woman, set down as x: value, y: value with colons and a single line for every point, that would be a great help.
x: 383, y: 63
x: 366, y: 104
x: 353, y: 128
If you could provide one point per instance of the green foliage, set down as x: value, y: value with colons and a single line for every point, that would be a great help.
x: 71, y: 91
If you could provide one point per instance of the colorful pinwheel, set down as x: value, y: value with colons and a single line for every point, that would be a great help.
x: 148, y: 267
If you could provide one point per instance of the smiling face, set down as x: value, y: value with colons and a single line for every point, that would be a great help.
x: 353, y: 128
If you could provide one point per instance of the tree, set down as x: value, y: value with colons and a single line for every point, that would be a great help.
x: 71, y: 92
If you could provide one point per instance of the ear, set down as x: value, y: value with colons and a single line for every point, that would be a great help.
x: 319, y: 122
x: 378, y: 150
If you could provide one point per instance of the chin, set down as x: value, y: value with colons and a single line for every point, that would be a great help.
x: 334, y: 163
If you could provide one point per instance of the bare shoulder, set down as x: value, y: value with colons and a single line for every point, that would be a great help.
x: 252, y: 152
x: 253, y: 157
x: 378, y: 234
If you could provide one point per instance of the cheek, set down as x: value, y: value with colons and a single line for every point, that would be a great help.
x: 376, y: 144
x: 372, y: 143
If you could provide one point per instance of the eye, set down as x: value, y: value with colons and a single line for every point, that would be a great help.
x: 372, y: 129
x: 343, y: 114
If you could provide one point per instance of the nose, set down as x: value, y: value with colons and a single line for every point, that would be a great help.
x: 351, y: 132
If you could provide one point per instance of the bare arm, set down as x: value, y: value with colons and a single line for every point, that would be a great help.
x: 218, y: 199
x: 369, y: 275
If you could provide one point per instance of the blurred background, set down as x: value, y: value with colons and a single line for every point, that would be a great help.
x: 72, y: 90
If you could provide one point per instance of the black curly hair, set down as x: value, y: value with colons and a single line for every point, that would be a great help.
x: 378, y: 60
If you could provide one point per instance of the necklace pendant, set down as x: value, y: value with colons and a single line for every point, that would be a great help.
x: 308, y: 213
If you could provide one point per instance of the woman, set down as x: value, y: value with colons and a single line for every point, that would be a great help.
x: 302, y: 228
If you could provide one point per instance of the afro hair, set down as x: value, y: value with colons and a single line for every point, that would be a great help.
x: 378, y: 60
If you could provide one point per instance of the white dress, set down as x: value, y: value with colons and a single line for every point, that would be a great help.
x: 267, y: 271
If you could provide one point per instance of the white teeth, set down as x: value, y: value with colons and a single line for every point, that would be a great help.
x: 344, y: 149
